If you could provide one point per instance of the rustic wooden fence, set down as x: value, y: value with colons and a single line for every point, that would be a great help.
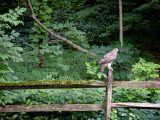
x: 80, y: 84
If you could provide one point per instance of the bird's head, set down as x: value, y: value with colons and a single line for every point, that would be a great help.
x: 115, y: 49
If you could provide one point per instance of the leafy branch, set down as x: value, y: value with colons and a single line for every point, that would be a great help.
x: 52, y: 33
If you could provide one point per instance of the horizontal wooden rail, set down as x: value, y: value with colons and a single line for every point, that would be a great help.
x: 51, y: 84
x: 51, y: 108
x: 137, y: 84
x: 73, y: 107
x: 77, y: 84
x: 136, y: 105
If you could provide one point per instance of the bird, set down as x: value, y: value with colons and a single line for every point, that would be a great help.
x: 107, y: 60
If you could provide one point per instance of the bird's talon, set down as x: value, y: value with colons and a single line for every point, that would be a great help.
x: 110, y: 68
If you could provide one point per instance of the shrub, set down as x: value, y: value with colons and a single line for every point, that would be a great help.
x: 144, y: 70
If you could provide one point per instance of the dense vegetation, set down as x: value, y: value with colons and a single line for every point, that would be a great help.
x: 27, y: 52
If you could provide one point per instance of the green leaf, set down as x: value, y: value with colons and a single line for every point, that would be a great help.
x: 21, y: 11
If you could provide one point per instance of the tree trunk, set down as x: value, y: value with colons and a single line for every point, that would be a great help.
x: 40, y: 56
x: 120, y: 23
x: 40, y: 42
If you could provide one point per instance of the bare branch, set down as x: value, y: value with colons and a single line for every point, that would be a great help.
x: 31, y: 8
x: 56, y: 35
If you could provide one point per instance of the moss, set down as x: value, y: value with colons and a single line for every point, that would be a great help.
x: 49, y: 82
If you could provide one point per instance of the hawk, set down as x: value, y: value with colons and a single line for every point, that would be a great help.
x: 107, y: 60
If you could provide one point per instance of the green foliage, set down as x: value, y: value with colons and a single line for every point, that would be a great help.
x: 72, y: 33
x: 131, y: 95
x: 134, y: 114
x: 12, y: 17
x: 9, y: 52
x: 138, y: 24
x: 131, y: 21
x: 127, y: 114
x: 57, y: 96
x: 151, y: 5
x: 114, y: 114
x: 59, y: 64
x: 93, y: 70
x: 88, y: 12
x: 53, y: 116
x: 43, y: 13
x: 7, y: 97
x: 52, y: 51
x: 144, y: 70
x: 148, y: 56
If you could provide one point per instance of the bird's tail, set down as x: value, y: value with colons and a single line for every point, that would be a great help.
x: 102, y: 68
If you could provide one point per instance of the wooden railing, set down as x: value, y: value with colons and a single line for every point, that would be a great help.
x: 79, y: 84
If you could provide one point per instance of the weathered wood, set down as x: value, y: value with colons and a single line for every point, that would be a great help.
x: 51, y: 84
x: 137, y: 84
x: 77, y: 84
x: 51, y: 108
x: 108, y: 95
x: 74, y: 107
x: 136, y: 105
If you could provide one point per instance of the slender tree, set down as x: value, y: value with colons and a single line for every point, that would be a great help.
x: 120, y: 23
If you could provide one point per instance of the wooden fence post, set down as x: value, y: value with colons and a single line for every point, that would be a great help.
x: 108, y: 94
